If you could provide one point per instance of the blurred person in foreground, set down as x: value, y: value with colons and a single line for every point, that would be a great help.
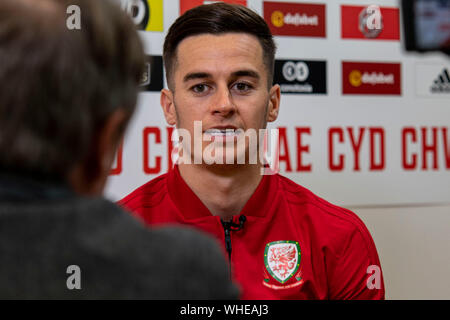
x: 66, y: 97
x: 283, y: 242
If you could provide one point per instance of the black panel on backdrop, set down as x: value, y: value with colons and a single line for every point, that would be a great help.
x: 301, y: 76
x: 152, y: 78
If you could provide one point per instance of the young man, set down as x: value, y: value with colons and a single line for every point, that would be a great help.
x: 282, y: 241
x: 65, y: 100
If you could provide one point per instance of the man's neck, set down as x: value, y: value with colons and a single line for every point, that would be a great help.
x: 223, y: 190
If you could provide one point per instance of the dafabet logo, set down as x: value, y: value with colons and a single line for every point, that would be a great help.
x: 295, y: 19
x: 371, y: 78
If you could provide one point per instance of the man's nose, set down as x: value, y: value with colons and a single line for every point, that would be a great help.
x: 223, y: 102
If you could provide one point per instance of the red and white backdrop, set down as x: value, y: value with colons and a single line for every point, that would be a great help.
x: 362, y: 123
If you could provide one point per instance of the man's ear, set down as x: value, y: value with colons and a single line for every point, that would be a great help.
x: 274, y: 103
x: 168, y: 106
x: 89, y: 177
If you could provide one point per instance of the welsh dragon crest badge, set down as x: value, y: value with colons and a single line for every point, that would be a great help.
x: 282, y: 260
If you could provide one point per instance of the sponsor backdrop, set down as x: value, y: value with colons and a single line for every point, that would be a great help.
x: 362, y: 123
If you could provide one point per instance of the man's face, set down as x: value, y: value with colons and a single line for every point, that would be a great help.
x: 220, y: 80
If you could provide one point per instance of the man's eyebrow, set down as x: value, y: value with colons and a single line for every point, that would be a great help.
x: 196, y: 75
x: 205, y: 75
x: 246, y: 73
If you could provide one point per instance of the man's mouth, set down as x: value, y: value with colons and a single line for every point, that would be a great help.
x: 223, y: 133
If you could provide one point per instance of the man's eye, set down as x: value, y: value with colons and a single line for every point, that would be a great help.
x: 241, y: 86
x: 199, y: 88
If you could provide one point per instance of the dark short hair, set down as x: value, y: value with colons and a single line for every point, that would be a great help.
x: 58, y: 86
x: 218, y: 18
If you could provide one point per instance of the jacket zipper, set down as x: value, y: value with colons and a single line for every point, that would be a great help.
x: 227, y: 228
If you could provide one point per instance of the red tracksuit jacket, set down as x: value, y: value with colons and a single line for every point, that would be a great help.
x: 292, y: 245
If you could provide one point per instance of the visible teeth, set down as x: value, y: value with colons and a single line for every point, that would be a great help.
x: 220, y: 132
